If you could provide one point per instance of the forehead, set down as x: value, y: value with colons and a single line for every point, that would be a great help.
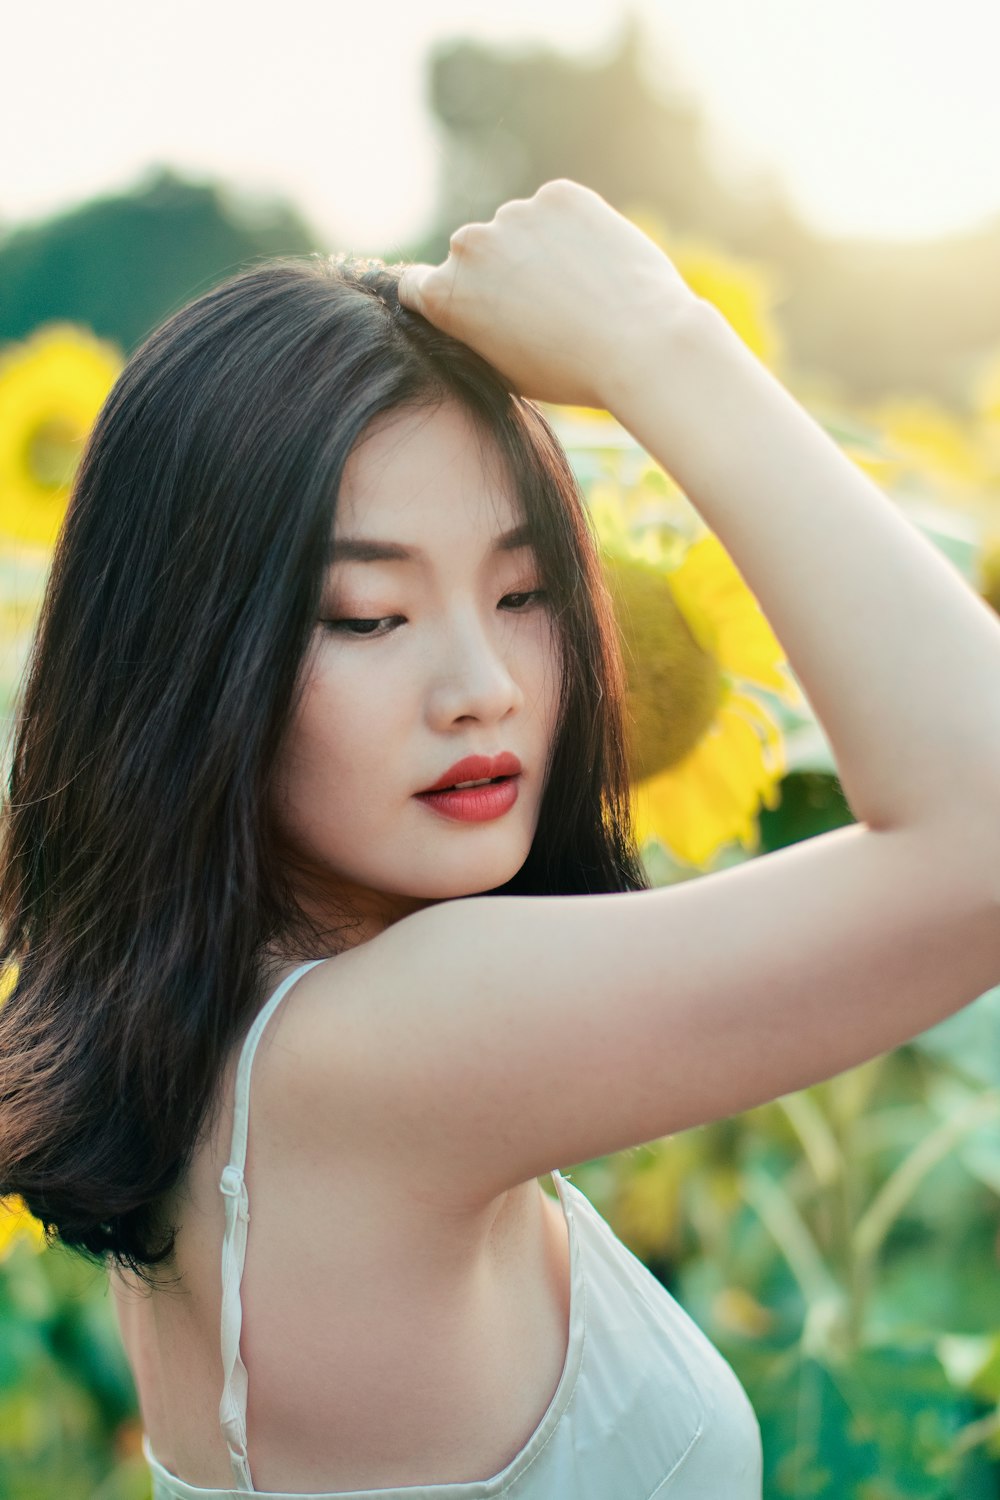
x: 413, y: 469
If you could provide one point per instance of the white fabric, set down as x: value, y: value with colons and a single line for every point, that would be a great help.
x: 645, y: 1405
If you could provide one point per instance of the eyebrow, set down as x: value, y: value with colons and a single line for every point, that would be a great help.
x: 362, y: 549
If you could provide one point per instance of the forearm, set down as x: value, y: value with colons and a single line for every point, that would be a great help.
x: 899, y: 658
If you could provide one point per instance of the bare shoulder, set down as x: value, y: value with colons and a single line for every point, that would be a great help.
x: 481, y: 1042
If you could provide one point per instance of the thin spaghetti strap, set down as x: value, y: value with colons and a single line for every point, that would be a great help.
x: 559, y: 1183
x: 233, y: 1406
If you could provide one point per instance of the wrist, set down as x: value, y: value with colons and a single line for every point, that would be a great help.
x: 666, y: 342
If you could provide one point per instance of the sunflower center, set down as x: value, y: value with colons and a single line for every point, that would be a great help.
x: 52, y: 452
x: 674, y: 686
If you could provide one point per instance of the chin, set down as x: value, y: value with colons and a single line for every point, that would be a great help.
x: 473, y: 881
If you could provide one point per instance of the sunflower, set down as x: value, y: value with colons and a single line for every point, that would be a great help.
x: 704, y: 753
x: 52, y: 387
x: 17, y: 1223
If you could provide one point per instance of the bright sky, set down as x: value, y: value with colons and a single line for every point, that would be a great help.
x: 881, y: 116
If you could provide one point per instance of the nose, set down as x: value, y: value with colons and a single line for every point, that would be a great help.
x: 474, y: 675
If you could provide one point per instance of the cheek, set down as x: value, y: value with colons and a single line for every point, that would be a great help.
x: 309, y: 748
x: 546, y: 675
x: 335, y: 752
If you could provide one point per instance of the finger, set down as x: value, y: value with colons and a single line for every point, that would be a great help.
x: 410, y: 288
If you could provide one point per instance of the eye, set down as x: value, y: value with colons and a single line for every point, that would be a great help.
x: 360, y: 627
x: 367, y: 628
x: 532, y: 596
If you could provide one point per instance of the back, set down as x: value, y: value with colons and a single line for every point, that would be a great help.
x: 637, y: 1393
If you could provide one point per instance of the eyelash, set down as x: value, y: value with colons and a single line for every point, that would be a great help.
x: 339, y: 626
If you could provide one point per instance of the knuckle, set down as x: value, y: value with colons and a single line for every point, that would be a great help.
x: 512, y: 209
x: 558, y: 189
x: 468, y: 236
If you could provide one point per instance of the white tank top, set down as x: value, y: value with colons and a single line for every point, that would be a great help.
x: 645, y: 1406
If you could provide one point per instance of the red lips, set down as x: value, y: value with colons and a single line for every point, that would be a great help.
x: 476, y: 768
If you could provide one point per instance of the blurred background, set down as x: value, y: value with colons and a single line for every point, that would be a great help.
x: 829, y: 176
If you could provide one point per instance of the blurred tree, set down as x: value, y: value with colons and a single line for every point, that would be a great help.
x: 513, y: 121
x: 122, y: 263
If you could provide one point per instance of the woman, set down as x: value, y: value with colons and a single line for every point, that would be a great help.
x: 325, y: 562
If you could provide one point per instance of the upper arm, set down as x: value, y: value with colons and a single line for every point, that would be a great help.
x: 482, y: 1042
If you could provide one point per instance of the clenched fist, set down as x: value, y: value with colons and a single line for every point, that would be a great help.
x: 557, y: 291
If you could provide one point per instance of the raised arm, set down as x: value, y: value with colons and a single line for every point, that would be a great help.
x: 899, y: 658
x: 482, y: 1042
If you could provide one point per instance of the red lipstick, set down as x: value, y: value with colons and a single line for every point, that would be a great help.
x: 476, y: 804
x: 477, y: 768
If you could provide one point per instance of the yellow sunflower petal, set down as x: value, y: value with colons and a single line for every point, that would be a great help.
x: 766, y: 727
x: 726, y: 619
x: 714, y: 796
x: 665, y: 809
x: 16, y: 1223
x: 727, y: 774
x: 679, y: 810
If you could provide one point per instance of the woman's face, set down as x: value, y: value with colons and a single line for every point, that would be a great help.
x: 417, y: 662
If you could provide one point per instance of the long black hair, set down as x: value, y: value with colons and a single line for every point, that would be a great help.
x: 138, y: 877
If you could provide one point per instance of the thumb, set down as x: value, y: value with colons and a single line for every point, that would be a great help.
x: 410, y: 287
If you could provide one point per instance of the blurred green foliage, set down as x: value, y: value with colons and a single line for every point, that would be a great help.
x: 840, y: 1246
x: 68, y: 1419
x: 121, y: 264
